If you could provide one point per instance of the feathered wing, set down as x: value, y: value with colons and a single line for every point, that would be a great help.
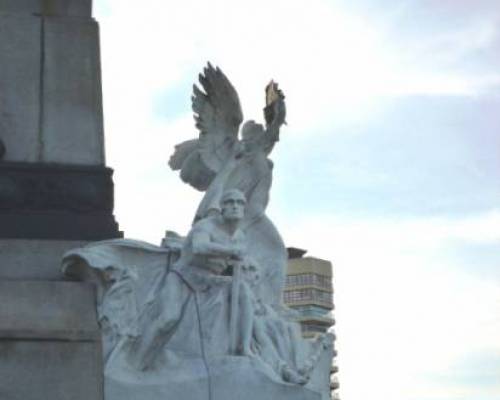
x: 218, y: 116
x: 187, y: 159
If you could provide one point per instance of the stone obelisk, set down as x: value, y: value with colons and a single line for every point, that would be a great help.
x: 55, y: 194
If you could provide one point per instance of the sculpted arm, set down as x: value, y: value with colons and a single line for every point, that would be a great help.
x: 202, y: 245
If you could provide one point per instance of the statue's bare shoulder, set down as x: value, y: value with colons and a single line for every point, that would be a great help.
x: 212, y: 226
x: 205, y: 225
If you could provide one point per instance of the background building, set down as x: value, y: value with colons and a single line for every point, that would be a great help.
x: 309, y: 290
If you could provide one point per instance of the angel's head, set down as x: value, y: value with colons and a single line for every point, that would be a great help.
x: 251, y: 133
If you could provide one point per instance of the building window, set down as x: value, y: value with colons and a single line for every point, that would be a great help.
x: 309, y: 280
x: 323, y: 281
x: 323, y: 297
x: 299, y: 280
x: 293, y: 296
x: 309, y: 294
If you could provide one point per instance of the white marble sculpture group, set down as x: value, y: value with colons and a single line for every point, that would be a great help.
x: 202, y: 317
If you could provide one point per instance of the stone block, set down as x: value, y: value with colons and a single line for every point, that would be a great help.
x: 70, y: 226
x: 20, y: 86
x: 72, y: 126
x: 50, y: 344
x: 75, y: 8
x: 48, y: 310
x: 228, y: 378
x: 33, y: 259
x: 55, y: 370
x: 56, y: 201
x: 50, y: 92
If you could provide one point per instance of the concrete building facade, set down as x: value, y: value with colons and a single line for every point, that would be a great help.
x: 309, y: 291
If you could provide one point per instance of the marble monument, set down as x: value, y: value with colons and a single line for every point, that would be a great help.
x: 202, y: 317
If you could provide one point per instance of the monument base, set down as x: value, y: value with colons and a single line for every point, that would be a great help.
x: 189, y: 313
x: 56, y: 201
x: 25, y: 259
x: 228, y: 378
x: 50, y: 345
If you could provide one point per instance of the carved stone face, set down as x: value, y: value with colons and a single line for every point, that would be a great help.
x: 233, y: 205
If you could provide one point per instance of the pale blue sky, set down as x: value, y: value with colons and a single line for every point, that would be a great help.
x: 389, y: 166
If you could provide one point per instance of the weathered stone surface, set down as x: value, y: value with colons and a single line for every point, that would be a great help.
x: 2, y: 149
x: 228, y: 378
x: 55, y: 370
x: 49, y: 341
x: 22, y: 259
x: 55, y: 201
x: 70, y: 226
x: 47, y: 187
x: 48, y: 310
x: 72, y: 126
x: 33, y: 259
x: 20, y: 86
x: 240, y: 379
x: 50, y: 92
x: 50, y: 114
x: 80, y: 8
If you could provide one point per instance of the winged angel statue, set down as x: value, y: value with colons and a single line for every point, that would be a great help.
x: 201, y: 317
x: 219, y: 160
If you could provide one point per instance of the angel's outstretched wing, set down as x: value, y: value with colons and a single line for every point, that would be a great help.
x: 187, y: 159
x: 218, y: 116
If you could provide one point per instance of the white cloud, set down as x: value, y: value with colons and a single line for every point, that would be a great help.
x: 404, y: 311
x: 332, y: 64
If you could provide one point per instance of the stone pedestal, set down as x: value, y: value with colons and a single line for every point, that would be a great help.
x: 230, y: 378
x: 55, y: 194
x: 50, y: 80
x: 55, y: 201
x: 49, y: 342
x: 33, y: 260
x: 73, y: 8
x: 53, y: 183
